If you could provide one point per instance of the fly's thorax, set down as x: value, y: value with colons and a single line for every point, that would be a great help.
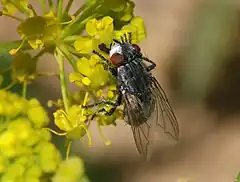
x: 129, y: 52
x: 133, y: 77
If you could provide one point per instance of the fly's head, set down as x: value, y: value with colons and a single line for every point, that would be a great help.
x: 121, y: 53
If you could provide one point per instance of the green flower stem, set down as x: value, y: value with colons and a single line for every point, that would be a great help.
x: 24, y: 89
x: 55, y: 132
x: 69, y: 5
x: 73, y: 52
x: 79, y: 24
x: 12, y: 17
x: 69, y: 144
x: 79, y: 10
x: 68, y: 55
x: 60, y: 9
x: 79, y: 28
x: 50, y: 4
x: 43, y: 6
x: 19, y: 7
x: 7, y: 46
x: 72, y: 38
x: 85, y: 102
x: 60, y: 59
x: 9, y: 86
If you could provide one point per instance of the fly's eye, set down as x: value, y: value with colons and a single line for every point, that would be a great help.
x: 116, y: 58
x: 137, y: 48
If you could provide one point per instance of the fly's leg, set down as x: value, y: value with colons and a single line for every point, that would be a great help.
x: 111, y: 111
x: 152, y: 66
x: 98, y: 103
x: 106, y: 63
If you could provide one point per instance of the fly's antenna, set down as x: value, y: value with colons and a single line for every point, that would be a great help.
x: 101, y: 56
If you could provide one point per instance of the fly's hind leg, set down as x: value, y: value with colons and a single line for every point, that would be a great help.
x: 152, y: 66
x: 103, y: 110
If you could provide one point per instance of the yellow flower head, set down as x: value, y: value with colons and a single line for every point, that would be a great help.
x: 137, y: 29
x: 40, y: 30
x: 10, y: 8
x: 91, y: 73
x: 99, y: 31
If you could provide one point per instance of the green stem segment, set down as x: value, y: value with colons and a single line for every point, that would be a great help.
x: 24, y: 89
x: 69, y: 144
x: 43, y: 6
x: 19, y: 7
x: 79, y: 10
x: 50, y: 4
x: 60, y: 9
x: 69, y: 4
x: 78, y: 25
x: 69, y: 56
x: 60, y: 58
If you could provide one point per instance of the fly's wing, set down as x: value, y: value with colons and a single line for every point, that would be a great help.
x: 165, y: 116
x: 137, y: 119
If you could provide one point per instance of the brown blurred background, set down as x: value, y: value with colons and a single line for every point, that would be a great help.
x: 196, y: 47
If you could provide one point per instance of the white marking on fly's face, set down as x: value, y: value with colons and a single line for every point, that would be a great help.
x: 116, y: 48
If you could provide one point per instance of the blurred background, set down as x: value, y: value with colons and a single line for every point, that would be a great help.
x: 195, y: 45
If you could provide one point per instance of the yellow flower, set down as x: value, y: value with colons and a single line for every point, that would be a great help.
x: 72, y: 123
x: 137, y: 29
x: 23, y: 66
x: 99, y: 31
x: 21, y: 124
x: 10, y: 8
x: 40, y: 30
x: 49, y: 158
x: 7, y: 139
x: 85, y: 45
x: 71, y: 170
x: 90, y: 73
x: 37, y: 114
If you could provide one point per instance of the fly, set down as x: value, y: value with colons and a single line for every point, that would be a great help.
x: 140, y: 92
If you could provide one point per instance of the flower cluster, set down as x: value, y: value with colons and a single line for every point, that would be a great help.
x: 70, y: 37
x: 27, y: 153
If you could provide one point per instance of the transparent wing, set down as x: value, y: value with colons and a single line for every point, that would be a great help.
x: 165, y: 116
x: 140, y: 128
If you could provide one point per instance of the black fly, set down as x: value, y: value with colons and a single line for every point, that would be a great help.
x: 141, y: 93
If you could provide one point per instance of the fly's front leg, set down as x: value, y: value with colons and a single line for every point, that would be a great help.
x: 111, y: 111
x: 152, y: 66
x: 106, y: 63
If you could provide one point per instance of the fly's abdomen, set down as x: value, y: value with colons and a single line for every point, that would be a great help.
x: 138, y: 110
x: 135, y: 85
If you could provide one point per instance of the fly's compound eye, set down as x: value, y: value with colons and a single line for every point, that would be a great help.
x: 136, y: 47
x: 117, y: 59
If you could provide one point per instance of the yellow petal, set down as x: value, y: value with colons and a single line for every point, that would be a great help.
x: 86, y: 81
x: 91, y: 27
x: 84, y: 45
x: 75, y: 77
